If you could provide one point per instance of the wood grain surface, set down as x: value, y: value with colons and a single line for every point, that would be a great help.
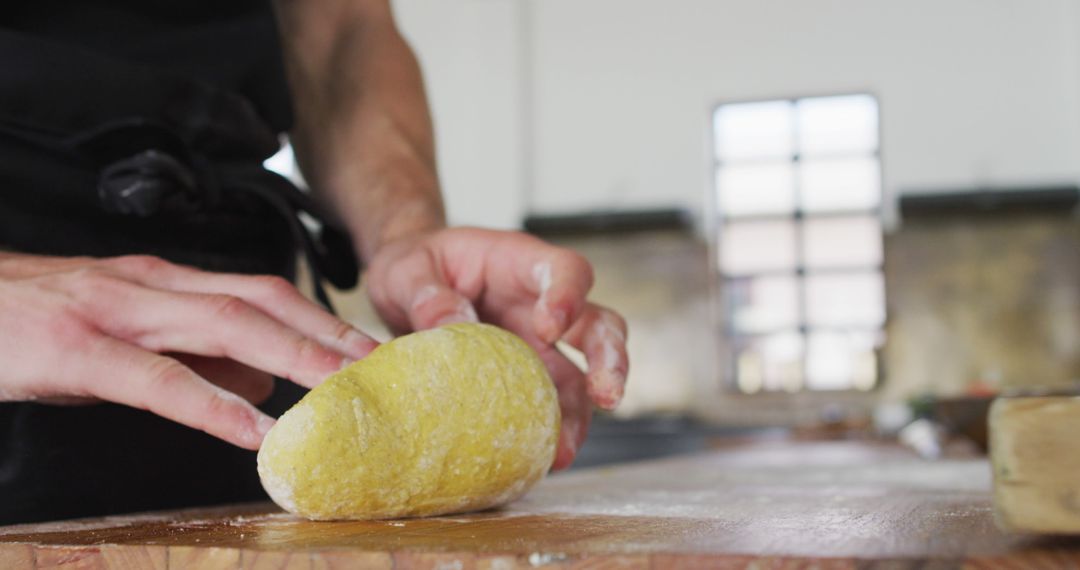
x: 809, y: 505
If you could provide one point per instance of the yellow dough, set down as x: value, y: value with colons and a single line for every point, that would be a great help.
x: 459, y: 418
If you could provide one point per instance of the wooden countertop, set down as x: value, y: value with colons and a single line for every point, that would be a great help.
x: 835, y: 505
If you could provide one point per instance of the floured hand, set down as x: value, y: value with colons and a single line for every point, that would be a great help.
x: 519, y: 282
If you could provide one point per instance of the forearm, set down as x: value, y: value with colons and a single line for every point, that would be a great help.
x: 363, y: 132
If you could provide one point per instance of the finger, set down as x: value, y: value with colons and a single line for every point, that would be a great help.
x: 122, y: 373
x: 569, y: 383
x: 250, y: 384
x: 280, y: 299
x: 435, y: 305
x: 561, y: 282
x: 210, y: 325
x: 600, y: 334
x: 272, y: 295
x: 418, y: 294
x: 574, y: 404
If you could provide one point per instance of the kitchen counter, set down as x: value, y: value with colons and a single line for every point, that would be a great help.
x: 837, y: 504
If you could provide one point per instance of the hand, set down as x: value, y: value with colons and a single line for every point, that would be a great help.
x: 143, y: 332
x: 522, y: 284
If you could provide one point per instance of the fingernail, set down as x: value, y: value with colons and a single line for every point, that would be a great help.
x: 566, y: 450
x: 465, y: 314
x: 345, y: 362
x: 353, y: 343
x: 572, y: 441
x: 557, y: 323
x: 423, y: 295
x: 618, y: 391
x: 358, y: 344
x: 611, y: 386
x: 456, y: 318
x: 450, y: 319
x: 263, y: 423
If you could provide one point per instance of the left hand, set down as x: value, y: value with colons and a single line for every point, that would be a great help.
x: 517, y: 282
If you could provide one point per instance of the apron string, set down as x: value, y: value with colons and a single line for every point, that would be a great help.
x: 155, y: 181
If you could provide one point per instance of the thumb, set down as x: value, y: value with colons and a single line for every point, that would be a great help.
x: 435, y: 304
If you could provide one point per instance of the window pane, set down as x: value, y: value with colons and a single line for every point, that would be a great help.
x: 749, y: 189
x: 763, y: 304
x: 839, y: 184
x: 754, y: 131
x: 771, y: 363
x: 842, y: 242
x: 749, y: 247
x: 834, y: 125
x: 842, y: 360
x: 845, y: 299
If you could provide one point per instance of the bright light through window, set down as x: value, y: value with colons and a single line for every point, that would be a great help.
x: 284, y: 163
x: 798, y: 192
x: 755, y: 131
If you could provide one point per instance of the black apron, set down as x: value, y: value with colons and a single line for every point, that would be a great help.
x: 140, y: 126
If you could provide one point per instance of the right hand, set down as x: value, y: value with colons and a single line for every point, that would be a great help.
x: 134, y: 330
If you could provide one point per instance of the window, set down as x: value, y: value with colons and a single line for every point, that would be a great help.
x: 798, y: 242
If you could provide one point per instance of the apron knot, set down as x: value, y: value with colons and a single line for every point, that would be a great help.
x: 146, y: 169
x: 146, y: 183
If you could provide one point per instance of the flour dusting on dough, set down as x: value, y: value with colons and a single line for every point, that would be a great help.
x: 289, y: 432
x: 455, y: 419
x: 279, y: 489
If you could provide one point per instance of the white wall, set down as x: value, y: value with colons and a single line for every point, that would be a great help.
x: 972, y: 92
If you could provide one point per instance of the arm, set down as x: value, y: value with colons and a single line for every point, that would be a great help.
x: 364, y: 139
x: 363, y: 134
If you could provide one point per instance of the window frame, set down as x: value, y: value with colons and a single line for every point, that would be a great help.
x: 716, y: 220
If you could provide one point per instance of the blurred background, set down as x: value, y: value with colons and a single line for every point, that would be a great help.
x: 821, y: 218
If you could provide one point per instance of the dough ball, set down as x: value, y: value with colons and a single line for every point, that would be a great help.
x: 459, y: 418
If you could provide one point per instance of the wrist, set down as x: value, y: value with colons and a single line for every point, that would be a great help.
x: 409, y: 219
x: 379, y: 209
